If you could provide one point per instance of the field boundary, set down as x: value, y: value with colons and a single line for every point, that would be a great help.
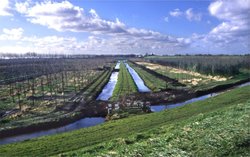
x: 164, y: 78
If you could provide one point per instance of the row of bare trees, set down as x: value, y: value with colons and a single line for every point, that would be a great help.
x: 53, y: 80
x: 49, y: 87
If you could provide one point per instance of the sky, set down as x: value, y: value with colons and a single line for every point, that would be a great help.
x: 161, y: 27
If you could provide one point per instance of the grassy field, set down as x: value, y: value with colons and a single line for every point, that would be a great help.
x: 189, y: 78
x: 195, y: 80
x: 153, y: 82
x: 224, y: 132
x: 151, y: 133
x: 125, y: 84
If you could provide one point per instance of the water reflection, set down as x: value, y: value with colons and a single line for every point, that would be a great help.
x: 160, y: 107
x: 82, y: 123
x: 107, y: 91
x: 137, y: 79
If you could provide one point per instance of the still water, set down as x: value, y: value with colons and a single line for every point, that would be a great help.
x: 107, y: 91
x: 137, y: 79
x: 82, y: 123
x: 160, y: 107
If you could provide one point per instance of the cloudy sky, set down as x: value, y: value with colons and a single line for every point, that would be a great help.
x: 125, y: 27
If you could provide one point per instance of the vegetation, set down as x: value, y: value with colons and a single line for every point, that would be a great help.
x: 52, y: 87
x: 16, y: 70
x: 151, y: 81
x: 195, y: 80
x: 50, y: 94
x: 218, y: 133
x: 168, y: 132
x: 62, y: 87
x: 206, y: 64
x: 125, y: 84
x: 189, y: 78
x: 40, y: 113
x: 35, y: 81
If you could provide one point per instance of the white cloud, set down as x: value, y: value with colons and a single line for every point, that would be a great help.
x: 14, y: 41
x: 232, y: 34
x: 191, y: 16
x: 113, y: 36
x: 64, y: 16
x: 93, y: 13
x: 22, y: 7
x: 176, y: 13
x: 5, y: 8
x: 235, y: 25
x: 11, y: 34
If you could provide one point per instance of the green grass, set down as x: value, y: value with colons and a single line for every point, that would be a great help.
x: 204, y: 83
x: 177, y: 76
x: 97, y: 138
x: 97, y: 86
x: 125, y: 84
x: 224, y: 132
x: 210, y: 85
x: 153, y: 82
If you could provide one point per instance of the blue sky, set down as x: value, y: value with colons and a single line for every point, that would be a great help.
x: 124, y: 27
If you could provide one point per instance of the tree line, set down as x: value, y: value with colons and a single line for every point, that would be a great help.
x: 207, y: 64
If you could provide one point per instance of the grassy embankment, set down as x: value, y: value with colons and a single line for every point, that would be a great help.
x: 217, y: 126
x: 151, y: 81
x: 43, y: 114
x: 125, y: 84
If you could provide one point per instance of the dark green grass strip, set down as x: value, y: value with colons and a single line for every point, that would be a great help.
x: 153, y: 82
x: 88, y: 137
x: 96, y: 87
x: 125, y: 84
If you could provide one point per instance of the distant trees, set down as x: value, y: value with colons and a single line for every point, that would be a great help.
x: 208, y: 64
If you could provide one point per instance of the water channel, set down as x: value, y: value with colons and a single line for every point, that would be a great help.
x: 88, y: 122
x: 110, y: 86
x: 138, y: 81
x: 82, y: 123
x: 160, y: 107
